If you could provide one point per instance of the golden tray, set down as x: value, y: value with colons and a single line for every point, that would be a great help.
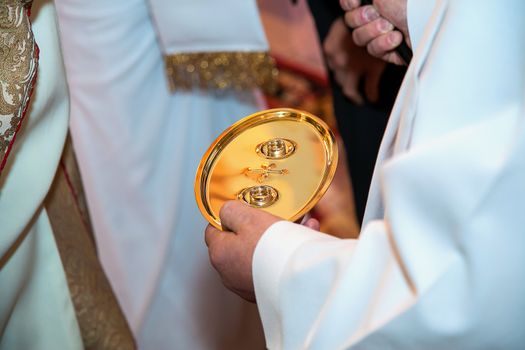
x: 279, y: 160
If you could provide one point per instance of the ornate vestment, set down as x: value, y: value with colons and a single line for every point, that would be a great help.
x: 19, y: 62
x: 53, y: 293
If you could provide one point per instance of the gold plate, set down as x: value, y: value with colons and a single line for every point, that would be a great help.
x: 279, y: 160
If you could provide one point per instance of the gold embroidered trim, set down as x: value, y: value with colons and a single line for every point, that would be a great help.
x: 221, y: 71
x: 18, y: 66
x: 100, y: 318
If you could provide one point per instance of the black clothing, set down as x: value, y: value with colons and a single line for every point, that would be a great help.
x: 361, y: 127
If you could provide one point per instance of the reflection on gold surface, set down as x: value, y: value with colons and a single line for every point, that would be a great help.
x: 276, y: 148
x: 299, y: 171
x: 259, y: 196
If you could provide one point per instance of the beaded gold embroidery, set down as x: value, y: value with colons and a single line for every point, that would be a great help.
x: 221, y: 71
x: 18, y: 66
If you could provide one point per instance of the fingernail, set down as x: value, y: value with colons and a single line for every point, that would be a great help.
x: 349, y: 4
x: 394, y: 38
x: 385, y: 26
x: 370, y: 13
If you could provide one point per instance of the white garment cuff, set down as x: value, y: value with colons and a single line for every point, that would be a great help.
x: 271, y: 256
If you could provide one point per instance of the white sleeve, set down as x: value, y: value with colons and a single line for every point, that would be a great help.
x: 443, y: 267
x: 435, y: 273
x: 418, y: 14
x: 303, y: 279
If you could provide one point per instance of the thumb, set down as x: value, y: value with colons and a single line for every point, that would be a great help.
x: 239, y: 217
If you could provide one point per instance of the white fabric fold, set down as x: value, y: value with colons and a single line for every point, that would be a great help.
x: 139, y: 146
x: 437, y: 260
x: 418, y: 14
x: 36, y: 311
x: 204, y: 25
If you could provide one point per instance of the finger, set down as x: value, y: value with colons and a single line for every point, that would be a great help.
x: 333, y: 61
x: 348, y: 5
x: 395, y: 12
x: 353, y: 95
x: 313, y: 224
x: 361, y: 16
x: 239, y: 217
x: 384, y: 44
x: 211, y: 235
x: 394, y: 58
x: 350, y: 86
x: 220, y: 245
x: 235, y: 215
x: 335, y: 41
x: 337, y: 60
x: 368, y: 32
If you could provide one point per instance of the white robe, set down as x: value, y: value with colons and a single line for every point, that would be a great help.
x: 36, y: 311
x: 440, y: 260
x: 138, y: 147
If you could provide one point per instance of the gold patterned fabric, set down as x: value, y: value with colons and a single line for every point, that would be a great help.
x: 18, y: 67
x: 221, y: 71
x: 102, y: 323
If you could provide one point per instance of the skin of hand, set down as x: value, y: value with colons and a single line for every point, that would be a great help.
x: 231, y: 251
x: 351, y: 64
x: 374, y: 26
